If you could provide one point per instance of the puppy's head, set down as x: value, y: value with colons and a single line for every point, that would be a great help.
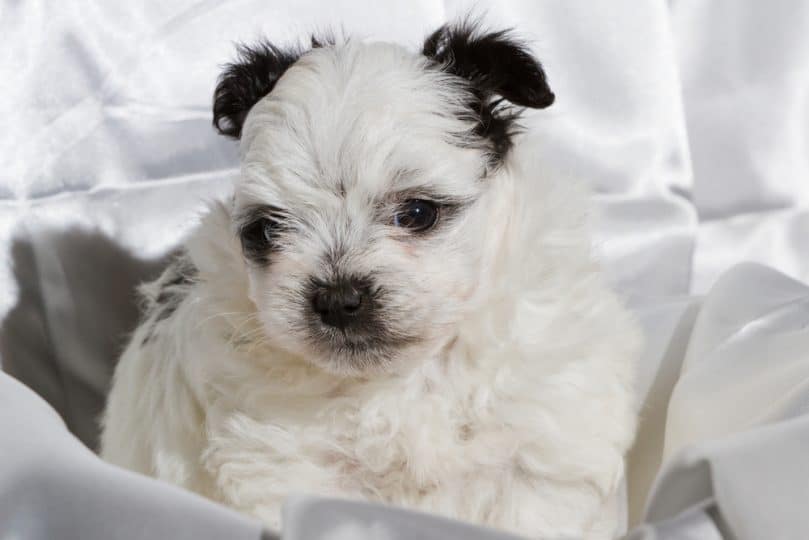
x: 368, y: 189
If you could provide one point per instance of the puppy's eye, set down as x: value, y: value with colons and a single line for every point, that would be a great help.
x: 259, y: 235
x: 417, y: 215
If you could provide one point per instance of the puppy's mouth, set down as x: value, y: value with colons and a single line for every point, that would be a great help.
x: 370, y: 346
x: 350, y: 341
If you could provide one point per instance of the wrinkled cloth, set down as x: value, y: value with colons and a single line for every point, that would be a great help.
x: 689, y: 119
x: 51, y: 486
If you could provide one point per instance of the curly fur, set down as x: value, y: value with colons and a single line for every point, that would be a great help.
x: 500, y: 389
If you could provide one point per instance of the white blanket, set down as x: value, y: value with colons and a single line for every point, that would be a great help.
x: 689, y: 118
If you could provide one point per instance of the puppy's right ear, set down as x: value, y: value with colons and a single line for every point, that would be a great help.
x: 245, y: 81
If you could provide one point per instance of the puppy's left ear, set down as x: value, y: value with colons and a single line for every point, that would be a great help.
x: 244, y: 82
x: 494, y: 62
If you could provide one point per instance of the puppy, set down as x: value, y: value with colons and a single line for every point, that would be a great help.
x: 396, y: 305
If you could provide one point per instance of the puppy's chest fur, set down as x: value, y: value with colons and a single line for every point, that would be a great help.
x: 415, y: 440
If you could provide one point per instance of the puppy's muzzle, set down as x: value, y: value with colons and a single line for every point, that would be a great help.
x: 344, y: 304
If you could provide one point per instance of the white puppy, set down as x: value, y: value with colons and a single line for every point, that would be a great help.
x: 395, y: 305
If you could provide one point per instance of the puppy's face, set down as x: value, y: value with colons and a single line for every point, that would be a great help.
x: 365, y: 200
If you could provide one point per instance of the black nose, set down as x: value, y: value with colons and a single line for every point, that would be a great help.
x: 342, y: 304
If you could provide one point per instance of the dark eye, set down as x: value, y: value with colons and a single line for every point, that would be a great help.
x: 258, y: 236
x: 417, y: 215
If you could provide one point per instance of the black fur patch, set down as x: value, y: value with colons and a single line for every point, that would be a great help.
x: 174, y: 284
x: 499, y: 69
x: 256, y: 246
x: 251, y: 77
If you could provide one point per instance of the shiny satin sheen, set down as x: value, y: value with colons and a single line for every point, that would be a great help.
x: 689, y: 118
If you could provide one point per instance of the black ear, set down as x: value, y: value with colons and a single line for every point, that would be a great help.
x: 245, y: 81
x: 500, y: 70
x: 494, y: 62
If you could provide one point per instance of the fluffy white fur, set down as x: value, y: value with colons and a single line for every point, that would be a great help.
x: 513, y: 408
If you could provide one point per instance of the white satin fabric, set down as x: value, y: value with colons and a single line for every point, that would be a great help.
x: 745, y: 82
x: 689, y: 118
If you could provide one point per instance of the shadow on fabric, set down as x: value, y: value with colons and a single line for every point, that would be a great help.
x: 75, y: 306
